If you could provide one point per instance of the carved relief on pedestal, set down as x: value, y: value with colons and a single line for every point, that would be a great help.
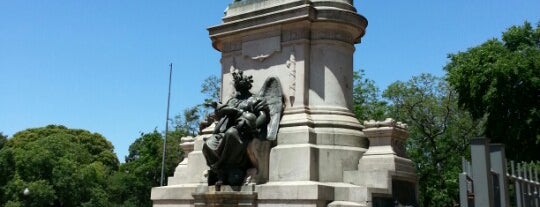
x: 261, y: 49
x: 233, y: 67
x: 291, y: 65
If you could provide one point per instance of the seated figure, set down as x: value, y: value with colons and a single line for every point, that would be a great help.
x: 228, y: 151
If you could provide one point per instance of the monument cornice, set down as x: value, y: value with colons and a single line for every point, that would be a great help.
x: 248, y: 8
x: 295, y: 12
x: 245, y: 8
x: 299, y: 13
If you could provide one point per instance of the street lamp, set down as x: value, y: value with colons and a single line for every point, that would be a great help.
x: 26, y: 193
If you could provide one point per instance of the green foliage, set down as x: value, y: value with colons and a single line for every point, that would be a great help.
x: 127, y: 188
x: 188, y: 121
x: 7, y: 164
x: 59, y: 166
x: 13, y: 204
x: 500, y: 80
x: 367, y: 104
x: 211, y: 87
x: 132, y: 184
x: 72, y: 167
x: 3, y: 140
x: 439, y: 134
x: 41, y: 193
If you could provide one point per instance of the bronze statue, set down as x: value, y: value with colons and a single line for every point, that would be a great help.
x: 240, y: 120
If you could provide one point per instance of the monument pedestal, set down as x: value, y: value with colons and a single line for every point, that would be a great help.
x: 179, y: 195
x: 318, y: 160
x: 228, y: 196
x: 309, y: 193
x: 384, y: 170
x: 188, y: 176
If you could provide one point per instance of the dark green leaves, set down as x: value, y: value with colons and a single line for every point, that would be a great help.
x: 439, y: 134
x: 500, y: 80
x: 59, y: 166
x: 367, y: 103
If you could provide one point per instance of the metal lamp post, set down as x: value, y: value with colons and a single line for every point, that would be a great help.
x: 26, y: 193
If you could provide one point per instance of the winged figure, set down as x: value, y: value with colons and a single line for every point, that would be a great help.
x: 243, y: 122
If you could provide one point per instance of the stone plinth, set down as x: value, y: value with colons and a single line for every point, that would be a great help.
x: 187, y: 177
x: 181, y: 171
x: 191, y: 169
x: 174, y: 195
x: 384, y: 169
x: 228, y: 196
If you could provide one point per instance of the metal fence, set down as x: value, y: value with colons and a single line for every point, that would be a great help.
x: 486, y: 182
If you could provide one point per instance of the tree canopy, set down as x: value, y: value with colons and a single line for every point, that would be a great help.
x: 367, y: 101
x: 188, y: 121
x: 499, y: 80
x: 59, y: 166
x: 3, y: 140
x: 133, y: 183
x: 211, y: 88
x: 439, y: 134
x: 74, y: 167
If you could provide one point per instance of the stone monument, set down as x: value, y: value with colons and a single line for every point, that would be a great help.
x: 317, y: 156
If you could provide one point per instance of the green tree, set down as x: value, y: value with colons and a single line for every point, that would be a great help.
x: 439, y: 134
x: 6, y: 162
x: 188, y: 121
x: 211, y: 87
x: 7, y: 172
x: 367, y: 103
x: 60, y: 167
x: 141, y: 171
x: 3, y: 140
x: 500, y: 80
x: 133, y: 183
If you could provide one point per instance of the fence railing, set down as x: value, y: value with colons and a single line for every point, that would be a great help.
x: 486, y: 182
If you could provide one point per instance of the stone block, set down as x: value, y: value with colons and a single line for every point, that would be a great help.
x: 334, y: 160
x: 296, y: 190
x: 346, y: 204
x: 226, y: 196
x: 296, y: 135
x: 350, y: 192
x: 176, y: 192
x: 293, y: 163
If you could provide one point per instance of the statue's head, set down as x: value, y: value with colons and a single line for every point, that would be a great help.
x: 242, y: 83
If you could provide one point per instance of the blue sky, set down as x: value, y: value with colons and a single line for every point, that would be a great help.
x: 103, y: 65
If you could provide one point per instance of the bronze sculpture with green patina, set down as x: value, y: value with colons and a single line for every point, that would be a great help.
x: 240, y: 120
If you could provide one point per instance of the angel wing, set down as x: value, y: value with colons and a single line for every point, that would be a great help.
x: 271, y: 92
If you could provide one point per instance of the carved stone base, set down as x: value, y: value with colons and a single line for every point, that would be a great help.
x: 384, y: 170
x: 229, y: 196
x: 310, y: 194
